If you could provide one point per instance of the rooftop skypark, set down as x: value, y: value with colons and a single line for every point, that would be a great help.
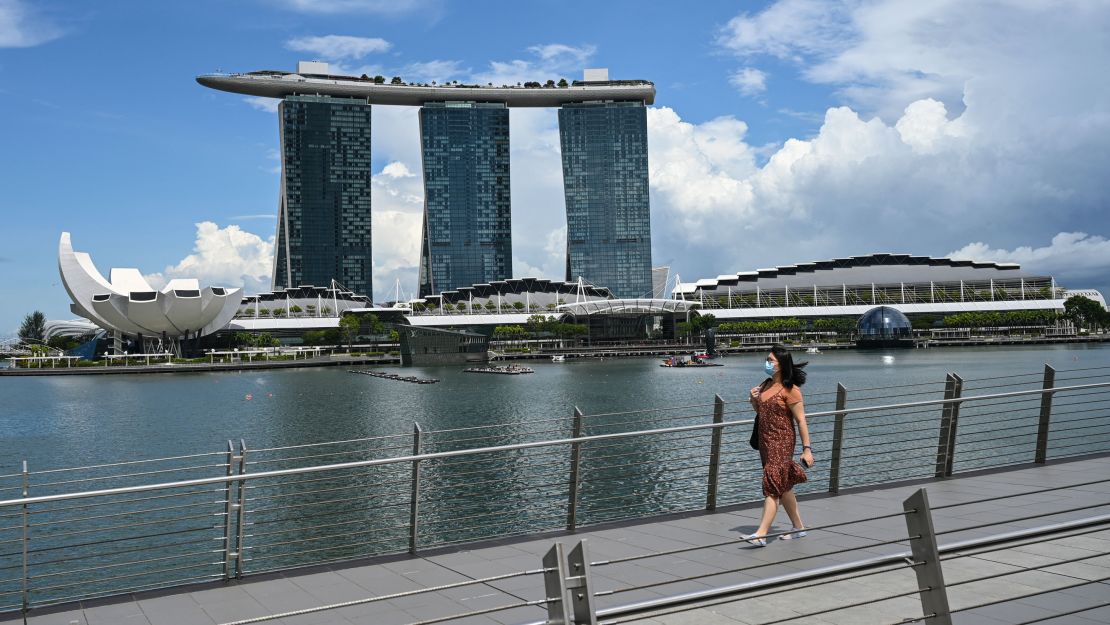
x: 312, y: 78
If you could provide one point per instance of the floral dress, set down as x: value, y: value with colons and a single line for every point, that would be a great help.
x: 777, y: 438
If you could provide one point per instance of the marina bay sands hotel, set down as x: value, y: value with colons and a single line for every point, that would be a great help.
x: 323, y: 230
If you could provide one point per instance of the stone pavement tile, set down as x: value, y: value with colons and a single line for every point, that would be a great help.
x: 1091, y: 570
x: 378, y: 580
x: 378, y: 610
x: 234, y: 609
x: 328, y: 617
x: 262, y: 589
x: 864, y: 614
x: 968, y: 618
x: 754, y: 610
x: 218, y: 594
x: 436, y: 607
x: 1013, y: 612
x: 698, y: 616
x: 516, y: 616
x: 1059, y: 603
x: 174, y: 610
x: 68, y: 617
x: 311, y: 619
x: 126, y: 613
x: 292, y: 599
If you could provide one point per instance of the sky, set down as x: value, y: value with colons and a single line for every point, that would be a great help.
x: 783, y: 131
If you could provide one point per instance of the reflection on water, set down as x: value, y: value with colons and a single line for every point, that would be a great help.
x: 72, y: 421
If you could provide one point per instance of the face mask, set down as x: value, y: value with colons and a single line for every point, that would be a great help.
x: 769, y: 367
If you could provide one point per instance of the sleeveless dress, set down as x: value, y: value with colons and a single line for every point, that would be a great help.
x: 777, y: 438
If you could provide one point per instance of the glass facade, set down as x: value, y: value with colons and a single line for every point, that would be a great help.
x: 324, y: 212
x: 605, y: 183
x: 884, y: 322
x: 467, y: 233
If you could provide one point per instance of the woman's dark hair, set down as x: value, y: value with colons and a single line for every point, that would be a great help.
x: 793, y: 374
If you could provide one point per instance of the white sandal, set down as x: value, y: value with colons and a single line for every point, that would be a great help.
x: 795, y: 532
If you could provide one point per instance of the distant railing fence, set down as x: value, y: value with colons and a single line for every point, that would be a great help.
x: 76, y: 533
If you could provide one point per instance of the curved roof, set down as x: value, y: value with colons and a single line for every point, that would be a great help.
x: 519, y: 286
x: 617, y: 306
x: 128, y: 304
x: 872, y: 268
x: 280, y: 84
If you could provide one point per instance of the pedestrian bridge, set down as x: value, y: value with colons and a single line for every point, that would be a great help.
x: 922, y: 507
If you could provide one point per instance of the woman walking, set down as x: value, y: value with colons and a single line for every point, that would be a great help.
x: 778, y: 402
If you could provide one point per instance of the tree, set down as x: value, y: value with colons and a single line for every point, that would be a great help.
x: 1081, y: 311
x: 518, y: 305
x: 379, y: 79
x: 348, y: 329
x: 33, y: 326
x: 562, y: 82
x: 396, y: 81
x: 703, y: 322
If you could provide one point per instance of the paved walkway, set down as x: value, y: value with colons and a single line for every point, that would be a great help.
x: 714, y: 566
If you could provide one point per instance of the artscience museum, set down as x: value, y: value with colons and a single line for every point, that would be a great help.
x: 129, y: 308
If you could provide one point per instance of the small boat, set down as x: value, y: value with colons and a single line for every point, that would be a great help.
x: 505, y: 370
x: 683, y: 362
x: 558, y: 358
x: 813, y: 350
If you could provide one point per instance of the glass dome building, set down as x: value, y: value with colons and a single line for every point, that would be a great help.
x: 884, y: 326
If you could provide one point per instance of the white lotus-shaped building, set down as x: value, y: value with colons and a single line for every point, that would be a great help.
x: 128, y: 304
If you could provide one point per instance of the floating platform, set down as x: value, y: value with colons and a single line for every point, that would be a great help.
x: 691, y: 365
x: 411, y: 379
x: 505, y: 370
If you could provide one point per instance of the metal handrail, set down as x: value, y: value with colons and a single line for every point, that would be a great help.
x: 516, y: 446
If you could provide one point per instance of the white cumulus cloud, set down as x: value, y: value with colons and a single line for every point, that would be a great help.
x: 258, y: 103
x: 381, y: 7
x: 21, y: 26
x: 226, y: 256
x: 749, y: 81
x: 1076, y: 255
x: 337, y: 47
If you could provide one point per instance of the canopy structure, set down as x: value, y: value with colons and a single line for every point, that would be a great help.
x: 126, y: 302
x: 628, y: 306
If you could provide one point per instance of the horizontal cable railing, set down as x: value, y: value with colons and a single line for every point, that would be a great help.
x: 284, y: 507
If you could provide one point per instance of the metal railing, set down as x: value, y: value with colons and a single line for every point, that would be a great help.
x: 571, y: 591
x: 78, y: 533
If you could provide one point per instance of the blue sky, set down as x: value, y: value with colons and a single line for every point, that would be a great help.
x: 783, y: 131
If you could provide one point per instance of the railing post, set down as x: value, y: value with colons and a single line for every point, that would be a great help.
x: 580, y: 593
x: 555, y: 586
x: 954, y: 427
x: 567, y: 586
x: 1046, y: 415
x: 229, y: 508
x: 945, y: 419
x: 923, y: 545
x: 575, y: 461
x: 414, y: 502
x: 26, y: 539
x: 240, y: 510
x: 949, y: 417
x: 715, y: 454
x: 838, y: 439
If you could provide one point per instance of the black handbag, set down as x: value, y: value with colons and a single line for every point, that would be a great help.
x: 754, y: 440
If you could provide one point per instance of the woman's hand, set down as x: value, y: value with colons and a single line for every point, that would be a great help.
x: 807, y: 457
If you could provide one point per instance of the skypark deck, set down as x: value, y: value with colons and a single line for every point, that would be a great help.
x: 272, y: 84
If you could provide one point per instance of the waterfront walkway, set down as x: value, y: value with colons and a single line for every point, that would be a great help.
x: 1025, y: 497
